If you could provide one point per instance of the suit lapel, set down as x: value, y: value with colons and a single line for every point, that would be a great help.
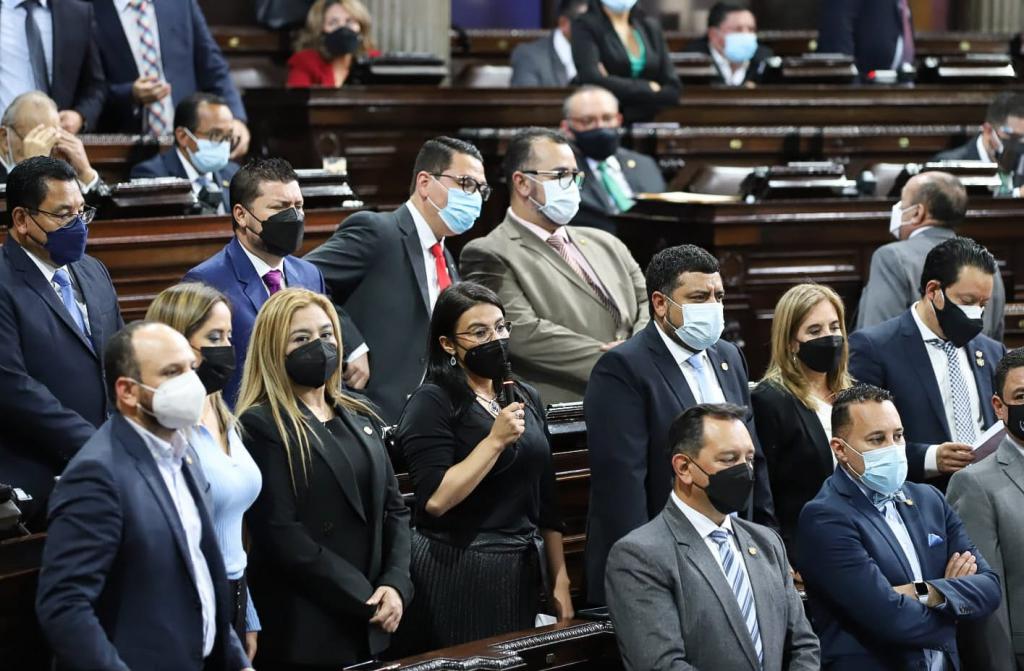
x: 414, y: 251
x: 767, y: 598
x: 557, y: 69
x: 982, y: 379
x: 173, y: 164
x: 110, y: 22
x: 60, y: 49
x: 844, y: 485
x: 814, y: 431
x: 726, y: 379
x: 667, y: 366
x: 915, y: 354
x: 245, y: 273
x: 164, y: 20
x: 94, y: 309
x: 358, y: 426
x: 323, y: 442
x: 1011, y: 462
x: 598, y: 264
x: 910, y: 513
x: 536, y: 246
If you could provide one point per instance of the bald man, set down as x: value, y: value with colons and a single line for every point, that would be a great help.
x: 931, y: 205
x: 613, y: 175
x: 31, y: 127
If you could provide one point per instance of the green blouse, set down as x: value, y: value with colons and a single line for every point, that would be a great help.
x: 638, y: 62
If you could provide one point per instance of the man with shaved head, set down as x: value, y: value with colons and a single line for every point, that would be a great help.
x: 613, y: 175
x: 931, y: 206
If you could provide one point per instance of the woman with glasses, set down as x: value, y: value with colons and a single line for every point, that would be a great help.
x: 488, y: 538
x: 203, y: 316
x: 328, y: 48
x: 330, y: 531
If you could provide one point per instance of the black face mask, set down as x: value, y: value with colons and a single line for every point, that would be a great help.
x: 729, y: 490
x: 217, y: 366
x: 282, y: 232
x: 342, y: 41
x: 598, y: 143
x: 312, y: 364
x: 488, y: 360
x: 1015, y: 420
x: 958, y: 327
x: 822, y: 354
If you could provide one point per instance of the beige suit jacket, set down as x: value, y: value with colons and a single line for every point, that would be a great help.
x: 559, y: 322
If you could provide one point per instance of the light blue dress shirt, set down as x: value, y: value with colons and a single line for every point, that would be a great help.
x: 15, y: 67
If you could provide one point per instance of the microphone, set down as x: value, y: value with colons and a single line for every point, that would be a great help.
x: 508, y: 384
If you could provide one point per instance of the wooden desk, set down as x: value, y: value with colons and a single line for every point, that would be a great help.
x: 114, y: 155
x: 22, y: 645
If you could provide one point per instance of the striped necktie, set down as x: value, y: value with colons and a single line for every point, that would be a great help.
x: 158, y: 115
x: 562, y: 247
x: 965, y: 429
x: 740, y: 588
x: 623, y: 203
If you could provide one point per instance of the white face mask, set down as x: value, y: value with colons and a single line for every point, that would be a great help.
x: 896, y: 218
x: 178, y: 402
x: 560, y: 205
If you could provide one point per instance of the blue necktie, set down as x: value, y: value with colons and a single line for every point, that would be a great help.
x: 740, y: 588
x: 36, y: 53
x: 67, y: 296
x: 696, y: 362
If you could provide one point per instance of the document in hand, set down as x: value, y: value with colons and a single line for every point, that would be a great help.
x: 989, y: 441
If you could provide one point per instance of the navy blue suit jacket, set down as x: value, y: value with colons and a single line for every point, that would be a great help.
x: 892, y: 355
x: 77, y: 81
x: 191, y: 60
x: 635, y: 392
x: 850, y: 560
x: 231, y: 272
x: 865, y: 29
x: 52, y: 394
x: 116, y: 589
x: 168, y: 164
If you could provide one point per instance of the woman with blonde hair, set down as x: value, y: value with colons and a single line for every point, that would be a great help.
x: 793, y: 402
x: 330, y: 531
x: 203, y: 316
x: 335, y: 37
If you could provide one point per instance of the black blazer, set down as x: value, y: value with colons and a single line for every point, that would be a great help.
x: 642, y: 174
x: 796, y: 448
x: 373, y: 267
x: 755, y: 70
x: 594, y: 42
x: 865, y: 29
x: 965, y: 152
x: 78, y: 81
x: 318, y: 556
x: 168, y: 164
x: 51, y: 377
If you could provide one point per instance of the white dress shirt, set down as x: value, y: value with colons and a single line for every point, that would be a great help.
x: 615, y: 172
x: 48, y: 270
x: 732, y: 77
x: 129, y: 23
x: 16, y: 76
x: 682, y: 355
x: 982, y: 149
x: 940, y: 366
x: 824, y: 413
x: 168, y: 457
x: 193, y: 178
x: 427, y: 240
x: 563, y: 49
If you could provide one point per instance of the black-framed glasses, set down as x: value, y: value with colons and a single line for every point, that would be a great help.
x: 482, y: 334
x: 564, y: 177
x: 468, y: 184
x: 88, y: 213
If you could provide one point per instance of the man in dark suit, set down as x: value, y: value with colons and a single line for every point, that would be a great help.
x: 731, y: 41
x: 638, y: 388
x: 935, y: 360
x: 889, y: 569
x: 612, y: 175
x: 879, y: 34
x: 548, y: 61
x: 268, y: 222
x: 203, y: 137
x: 387, y: 269
x: 51, y: 47
x: 57, y: 310
x: 932, y: 204
x: 156, y: 53
x: 695, y: 569
x: 132, y: 577
x: 998, y: 141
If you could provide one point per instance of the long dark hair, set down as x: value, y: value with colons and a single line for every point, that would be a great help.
x: 451, y: 305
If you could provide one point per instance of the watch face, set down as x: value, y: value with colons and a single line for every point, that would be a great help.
x: 922, y: 588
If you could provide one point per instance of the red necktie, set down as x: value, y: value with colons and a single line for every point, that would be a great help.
x: 443, y: 280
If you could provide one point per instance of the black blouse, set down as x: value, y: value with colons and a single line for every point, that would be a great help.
x: 518, y: 494
x: 357, y: 456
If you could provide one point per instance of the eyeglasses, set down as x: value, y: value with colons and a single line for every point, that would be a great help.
x: 215, y: 136
x: 87, y: 214
x: 565, y: 177
x: 468, y: 184
x: 482, y: 334
x: 595, y: 120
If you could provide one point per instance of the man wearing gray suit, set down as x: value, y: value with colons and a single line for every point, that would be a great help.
x: 931, y: 205
x: 989, y: 497
x: 696, y: 588
x: 572, y: 294
x: 547, y: 62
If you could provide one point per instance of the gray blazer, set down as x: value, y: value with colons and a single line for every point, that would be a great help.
x: 537, y: 64
x: 894, y: 282
x: 596, y: 210
x: 989, y: 497
x: 674, y: 611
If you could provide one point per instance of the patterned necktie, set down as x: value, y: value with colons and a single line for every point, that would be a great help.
x: 36, y: 54
x: 561, y: 246
x: 908, y: 31
x: 622, y: 202
x: 67, y: 297
x: 696, y: 362
x: 965, y: 430
x: 274, y: 281
x: 740, y: 588
x: 158, y: 118
x: 443, y: 279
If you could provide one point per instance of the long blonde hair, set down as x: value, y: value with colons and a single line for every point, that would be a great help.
x: 185, y: 308
x: 312, y: 34
x: 265, y: 381
x: 784, y: 369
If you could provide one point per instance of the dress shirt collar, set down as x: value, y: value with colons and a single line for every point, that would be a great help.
x: 162, y: 450
x: 190, y: 170
x: 423, y: 230
x: 982, y: 149
x: 701, y: 522
x: 870, y: 494
x: 563, y: 49
x: 537, y: 230
x: 123, y: 5
x: 261, y: 266
x: 732, y: 77
x: 680, y: 353
x: 611, y: 162
x: 926, y: 333
x: 918, y: 231
x: 46, y: 268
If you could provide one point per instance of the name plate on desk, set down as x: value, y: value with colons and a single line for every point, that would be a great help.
x: 323, y: 189
x: 980, y: 178
x: 150, y: 197
x: 798, y: 180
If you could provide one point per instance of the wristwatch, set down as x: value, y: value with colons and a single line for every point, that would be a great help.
x: 922, y: 591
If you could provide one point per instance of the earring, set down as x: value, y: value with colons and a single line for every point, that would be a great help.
x: 453, y: 362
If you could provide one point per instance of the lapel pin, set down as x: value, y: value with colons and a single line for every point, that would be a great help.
x: 909, y: 502
x: 367, y: 430
x: 752, y: 550
x: 188, y: 460
x: 725, y: 365
x: 630, y: 163
x: 225, y: 183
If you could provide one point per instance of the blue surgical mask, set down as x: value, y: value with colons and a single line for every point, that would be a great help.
x: 885, y: 469
x: 740, y: 47
x: 67, y: 244
x: 703, y: 324
x: 462, y: 210
x: 560, y: 205
x: 618, y: 6
x: 209, y: 156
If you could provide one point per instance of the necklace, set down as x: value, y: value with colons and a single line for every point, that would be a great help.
x: 490, y: 404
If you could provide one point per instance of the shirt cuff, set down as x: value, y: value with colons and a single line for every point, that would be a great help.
x: 86, y: 188
x: 357, y: 352
x: 252, y: 621
x: 931, y: 462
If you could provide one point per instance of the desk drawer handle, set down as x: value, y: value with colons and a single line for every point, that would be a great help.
x: 903, y: 142
x: 234, y: 42
x: 735, y: 144
x: 965, y: 45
